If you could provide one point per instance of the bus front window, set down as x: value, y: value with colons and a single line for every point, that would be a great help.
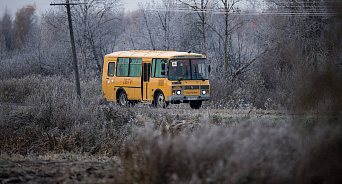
x: 188, y: 69
x: 199, y: 69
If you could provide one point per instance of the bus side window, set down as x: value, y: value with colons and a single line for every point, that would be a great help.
x: 135, y: 67
x: 122, y: 67
x: 157, y: 68
x: 153, y: 67
x: 111, y: 68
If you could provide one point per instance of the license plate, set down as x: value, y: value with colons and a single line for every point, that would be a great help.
x: 192, y: 98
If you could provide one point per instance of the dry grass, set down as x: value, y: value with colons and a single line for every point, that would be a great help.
x: 53, y: 119
x: 248, y: 152
x: 150, y: 145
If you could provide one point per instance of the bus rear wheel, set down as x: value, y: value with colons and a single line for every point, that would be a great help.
x: 159, y: 101
x: 122, y: 100
x: 195, y: 104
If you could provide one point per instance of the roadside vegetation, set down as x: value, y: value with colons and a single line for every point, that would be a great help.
x: 149, y: 145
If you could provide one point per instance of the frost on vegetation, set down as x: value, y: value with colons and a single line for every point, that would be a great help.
x: 257, y: 152
x: 183, y: 145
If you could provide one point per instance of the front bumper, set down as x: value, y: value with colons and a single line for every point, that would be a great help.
x: 188, y: 97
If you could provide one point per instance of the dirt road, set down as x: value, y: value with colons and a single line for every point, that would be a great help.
x: 57, y: 169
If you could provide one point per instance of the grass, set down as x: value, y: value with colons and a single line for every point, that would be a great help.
x: 50, y: 128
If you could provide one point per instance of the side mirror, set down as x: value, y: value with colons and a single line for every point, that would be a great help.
x: 209, y: 68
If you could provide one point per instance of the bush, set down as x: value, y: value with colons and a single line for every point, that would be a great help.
x: 320, y: 92
x: 244, y: 153
x: 53, y: 119
x: 17, y: 90
x: 249, y: 94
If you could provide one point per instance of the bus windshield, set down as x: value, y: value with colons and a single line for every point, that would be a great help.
x: 188, y: 69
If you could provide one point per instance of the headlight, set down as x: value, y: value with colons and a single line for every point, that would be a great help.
x: 179, y: 92
x: 204, y: 92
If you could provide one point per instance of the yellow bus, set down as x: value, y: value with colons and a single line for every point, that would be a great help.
x: 156, y: 77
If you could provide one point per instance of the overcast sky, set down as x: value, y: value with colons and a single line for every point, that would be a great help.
x: 44, y: 5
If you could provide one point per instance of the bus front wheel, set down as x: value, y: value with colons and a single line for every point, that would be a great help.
x: 159, y: 101
x: 122, y: 99
x: 195, y: 104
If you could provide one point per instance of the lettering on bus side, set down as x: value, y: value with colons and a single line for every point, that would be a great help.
x: 127, y: 81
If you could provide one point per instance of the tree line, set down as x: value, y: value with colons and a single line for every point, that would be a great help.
x: 268, y: 54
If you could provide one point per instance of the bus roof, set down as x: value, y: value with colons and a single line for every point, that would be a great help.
x: 155, y: 54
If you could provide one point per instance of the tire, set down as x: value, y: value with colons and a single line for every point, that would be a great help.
x: 195, y: 104
x: 159, y: 101
x: 122, y: 100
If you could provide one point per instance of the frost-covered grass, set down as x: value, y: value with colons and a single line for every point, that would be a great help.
x: 247, y: 152
x: 175, y: 145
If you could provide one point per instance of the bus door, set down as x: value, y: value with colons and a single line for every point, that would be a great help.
x: 145, y: 81
x: 108, y: 82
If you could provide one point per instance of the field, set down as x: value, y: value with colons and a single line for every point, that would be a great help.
x: 88, y: 167
x: 49, y: 136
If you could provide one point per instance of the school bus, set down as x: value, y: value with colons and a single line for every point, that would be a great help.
x: 156, y: 77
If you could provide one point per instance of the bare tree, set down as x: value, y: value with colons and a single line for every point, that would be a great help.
x: 162, y: 16
x: 160, y: 27
x: 228, y: 7
x: 146, y: 20
x: 304, y: 43
x: 200, y: 8
x: 98, y: 25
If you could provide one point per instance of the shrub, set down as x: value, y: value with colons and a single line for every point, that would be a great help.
x: 212, y: 155
x: 17, y: 90
x: 53, y: 119
x: 235, y: 94
x: 248, y: 152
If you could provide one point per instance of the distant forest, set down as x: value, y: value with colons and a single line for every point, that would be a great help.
x: 272, y: 54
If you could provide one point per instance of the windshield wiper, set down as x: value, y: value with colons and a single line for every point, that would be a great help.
x: 203, y: 79
x: 199, y: 75
x: 183, y: 76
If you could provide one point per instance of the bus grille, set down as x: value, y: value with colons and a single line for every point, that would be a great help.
x: 205, y: 87
x: 192, y: 87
